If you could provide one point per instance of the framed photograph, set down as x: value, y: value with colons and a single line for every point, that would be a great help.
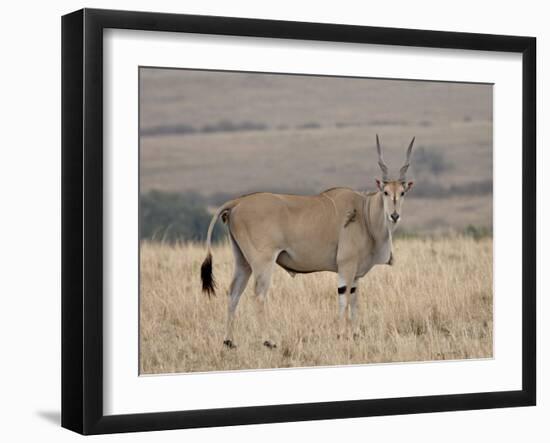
x: 269, y: 221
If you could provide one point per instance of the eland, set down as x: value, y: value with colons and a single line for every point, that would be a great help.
x: 339, y: 230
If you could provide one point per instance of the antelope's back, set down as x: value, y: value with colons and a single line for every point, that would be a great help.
x: 286, y: 220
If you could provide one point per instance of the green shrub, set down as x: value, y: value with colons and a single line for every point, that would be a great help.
x: 172, y: 217
x: 478, y: 232
x: 430, y: 161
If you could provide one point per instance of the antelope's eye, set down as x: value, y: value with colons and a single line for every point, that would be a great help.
x: 385, y: 193
x: 402, y: 194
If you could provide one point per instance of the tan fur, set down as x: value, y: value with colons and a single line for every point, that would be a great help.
x: 339, y: 230
x: 301, y: 233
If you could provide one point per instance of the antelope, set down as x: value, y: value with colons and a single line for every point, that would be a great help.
x: 339, y: 230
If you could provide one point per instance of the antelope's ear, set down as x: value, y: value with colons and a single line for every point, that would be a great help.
x: 379, y: 185
x: 409, y: 186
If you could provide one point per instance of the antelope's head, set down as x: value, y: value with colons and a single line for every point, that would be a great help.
x: 394, y: 191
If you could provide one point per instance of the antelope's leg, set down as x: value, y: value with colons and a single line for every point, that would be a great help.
x: 238, y: 285
x: 241, y: 275
x: 354, y: 301
x: 342, y: 298
x: 262, y: 274
x: 346, y: 279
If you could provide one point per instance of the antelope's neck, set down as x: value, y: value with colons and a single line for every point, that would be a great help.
x: 377, y: 222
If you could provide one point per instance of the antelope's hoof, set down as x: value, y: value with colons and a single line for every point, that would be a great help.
x: 229, y: 344
x: 269, y: 344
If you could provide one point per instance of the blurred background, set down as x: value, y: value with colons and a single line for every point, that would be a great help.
x: 209, y: 136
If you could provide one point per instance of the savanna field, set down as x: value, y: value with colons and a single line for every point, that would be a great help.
x: 434, y: 303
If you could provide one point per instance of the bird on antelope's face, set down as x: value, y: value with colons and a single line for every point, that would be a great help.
x: 338, y: 230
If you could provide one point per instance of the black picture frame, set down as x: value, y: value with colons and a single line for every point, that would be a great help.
x: 82, y: 220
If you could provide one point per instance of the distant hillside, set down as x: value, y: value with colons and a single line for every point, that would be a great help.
x: 232, y: 133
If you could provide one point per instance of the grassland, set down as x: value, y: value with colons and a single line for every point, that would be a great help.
x: 435, y: 303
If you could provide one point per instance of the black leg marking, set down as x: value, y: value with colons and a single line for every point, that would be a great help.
x: 229, y: 344
x: 342, y: 290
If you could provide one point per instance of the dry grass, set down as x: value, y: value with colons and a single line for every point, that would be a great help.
x: 435, y: 303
